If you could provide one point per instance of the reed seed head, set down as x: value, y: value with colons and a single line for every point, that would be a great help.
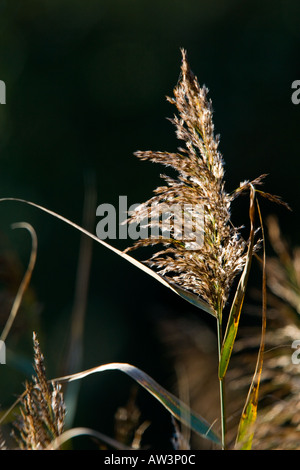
x: 42, y: 409
x: 207, y: 268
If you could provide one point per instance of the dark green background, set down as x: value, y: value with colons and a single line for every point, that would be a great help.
x: 86, y: 86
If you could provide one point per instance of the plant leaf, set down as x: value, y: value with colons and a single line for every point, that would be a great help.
x: 175, y: 406
x: 237, y: 304
x: 81, y: 431
x: 189, y: 296
x: 248, y: 418
x: 25, y: 281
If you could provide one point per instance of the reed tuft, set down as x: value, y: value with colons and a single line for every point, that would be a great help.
x: 209, y: 266
x: 42, y: 409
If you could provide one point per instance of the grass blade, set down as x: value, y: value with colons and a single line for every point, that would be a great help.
x: 25, y: 281
x: 246, y: 425
x: 178, y: 409
x: 235, y: 312
x: 189, y: 296
x: 80, y: 431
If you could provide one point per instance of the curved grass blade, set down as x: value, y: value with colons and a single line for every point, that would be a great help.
x: 80, y: 431
x: 7, y: 415
x: 248, y: 418
x: 236, y: 308
x: 178, y: 409
x: 189, y: 296
x: 25, y: 281
x: 192, y: 298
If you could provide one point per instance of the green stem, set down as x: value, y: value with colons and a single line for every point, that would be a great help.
x: 221, y: 382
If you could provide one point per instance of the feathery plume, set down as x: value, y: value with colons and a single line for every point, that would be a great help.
x: 42, y: 409
x: 205, y: 252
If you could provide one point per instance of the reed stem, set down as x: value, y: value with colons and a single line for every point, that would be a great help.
x: 222, y: 385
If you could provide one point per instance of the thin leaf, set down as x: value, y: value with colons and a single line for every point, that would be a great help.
x: 25, y: 281
x: 236, y: 308
x: 189, y: 296
x: 192, y: 298
x: 7, y: 415
x: 248, y: 418
x: 75, y: 432
x: 178, y: 409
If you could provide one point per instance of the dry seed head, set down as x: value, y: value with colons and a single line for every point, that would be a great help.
x: 210, y: 268
x: 42, y: 409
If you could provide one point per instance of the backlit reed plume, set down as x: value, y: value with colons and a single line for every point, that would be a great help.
x: 42, y: 409
x: 209, y: 266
